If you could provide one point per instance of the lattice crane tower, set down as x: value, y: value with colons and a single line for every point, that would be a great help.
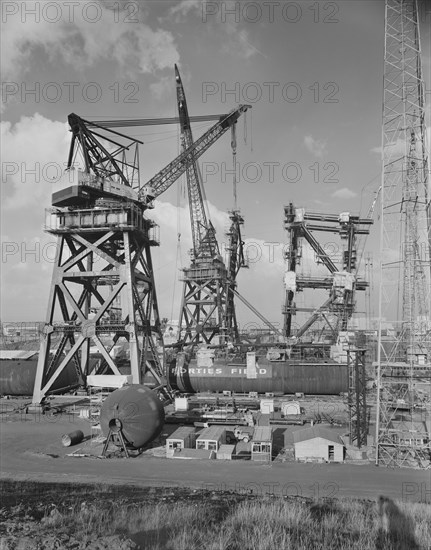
x: 207, y: 312
x: 102, y: 287
x: 404, y: 354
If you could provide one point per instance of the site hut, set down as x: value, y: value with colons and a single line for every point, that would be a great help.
x: 183, y: 438
x: 211, y: 438
x: 261, y: 446
x: 318, y: 444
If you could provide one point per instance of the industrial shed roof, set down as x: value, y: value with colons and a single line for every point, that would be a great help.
x: 213, y: 433
x: 182, y: 432
x: 262, y: 433
x: 314, y: 432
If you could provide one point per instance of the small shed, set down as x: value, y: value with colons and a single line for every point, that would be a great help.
x: 318, y: 444
x: 211, y: 438
x: 261, y: 447
x: 183, y: 438
x: 225, y: 452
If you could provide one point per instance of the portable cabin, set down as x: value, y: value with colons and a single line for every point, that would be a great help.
x: 211, y: 438
x: 183, y: 438
x: 261, y: 446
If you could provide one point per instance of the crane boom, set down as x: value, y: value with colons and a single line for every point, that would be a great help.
x: 109, y: 173
x: 171, y: 172
x: 203, y: 233
x: 207, y: 313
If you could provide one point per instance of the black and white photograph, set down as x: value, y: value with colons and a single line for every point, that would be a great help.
x: 215, y: 312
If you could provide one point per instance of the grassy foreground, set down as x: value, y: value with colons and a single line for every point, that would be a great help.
x: 180, y: 519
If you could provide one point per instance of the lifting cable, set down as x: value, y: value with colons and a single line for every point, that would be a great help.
x: 233, y: 145
x: 178, y: 257
x: 251, y: 131
x: 246, y: 129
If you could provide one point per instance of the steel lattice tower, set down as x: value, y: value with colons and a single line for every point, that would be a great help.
x: 207, y: 308
x: 404, y: 355
x: 103, y: 261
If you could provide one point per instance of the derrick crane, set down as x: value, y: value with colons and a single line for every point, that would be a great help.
x: 404, y: 341
x: 207, y: 308
x: 103, y: 256
x: 86, y: 187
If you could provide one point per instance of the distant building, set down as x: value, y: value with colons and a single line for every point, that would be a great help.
x: 318, y: 444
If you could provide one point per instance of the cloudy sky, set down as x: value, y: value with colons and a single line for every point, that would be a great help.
x: 312, y: 72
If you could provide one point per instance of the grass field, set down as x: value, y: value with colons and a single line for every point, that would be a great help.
x: 97, y: 517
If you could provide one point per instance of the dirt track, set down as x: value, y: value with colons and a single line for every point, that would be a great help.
x: 31, y: 449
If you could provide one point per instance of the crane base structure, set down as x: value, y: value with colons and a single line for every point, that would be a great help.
x: 204, y: 300
x: 102, y: 291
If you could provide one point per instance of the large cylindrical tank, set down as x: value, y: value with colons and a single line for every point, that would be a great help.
x: 17, y: 377
x: 289, y: 377
x: 137, y: 411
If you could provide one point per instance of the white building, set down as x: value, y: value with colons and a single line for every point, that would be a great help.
x: 318, y: 444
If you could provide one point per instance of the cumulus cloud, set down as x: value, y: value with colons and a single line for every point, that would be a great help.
x: 315, y: 146
x: 184, y: 7
x: 27, y: 190
x: 162, y: 88
x: 34, y: 153
x: 224, y: 17
x: 81, y: 37
x: 344, y: 193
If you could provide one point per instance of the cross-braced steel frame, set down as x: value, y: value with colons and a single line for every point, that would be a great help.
x: 340, y: 304
x: 204, y: 302
x: 102, y: 291
x: 357, y: 397
x: 404, y: 353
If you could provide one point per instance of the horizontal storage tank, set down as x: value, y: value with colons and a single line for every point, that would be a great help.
x: 17, y: 376
x: 287, y: 376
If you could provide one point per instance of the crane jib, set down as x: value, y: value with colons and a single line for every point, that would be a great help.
x: 168, y: 175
